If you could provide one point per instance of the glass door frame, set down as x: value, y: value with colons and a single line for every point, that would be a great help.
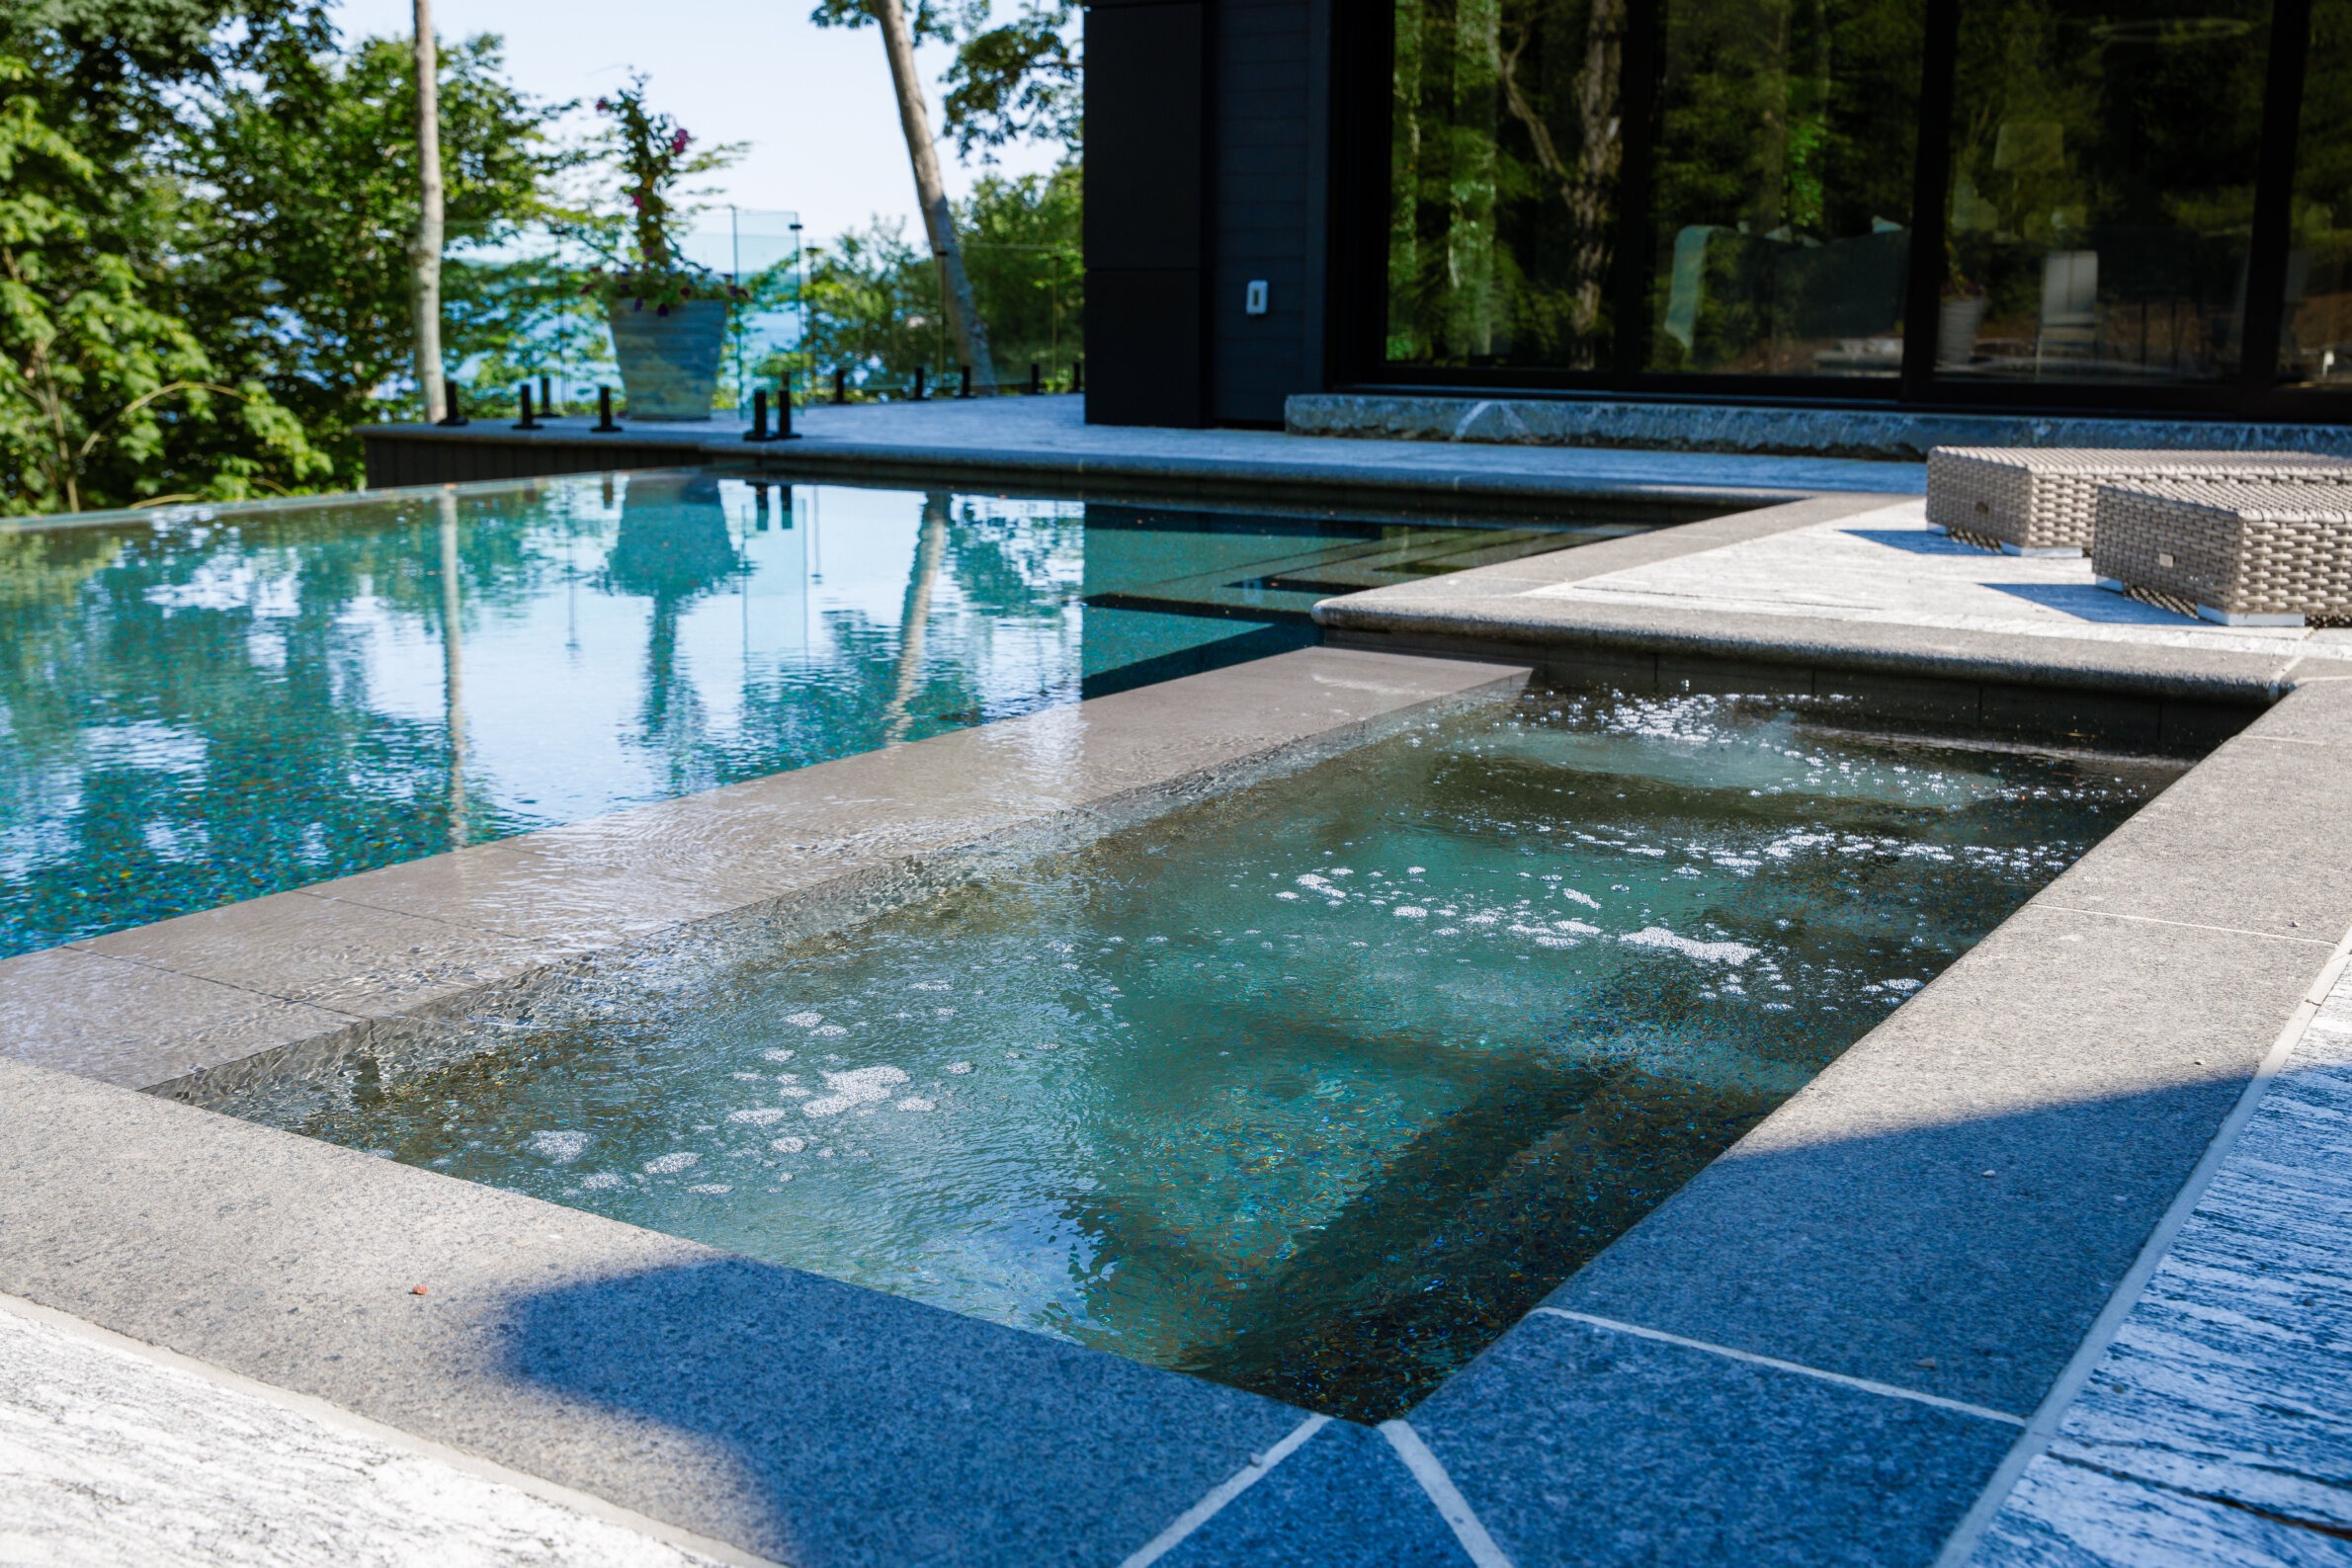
x: 1363, y: 46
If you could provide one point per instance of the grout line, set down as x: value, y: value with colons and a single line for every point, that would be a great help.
x: 350, y: 1423
x: 2191, y: 925
x: 2042, y: 1429
x: 1865, y: 1384
x: 1231, y: 1487
x: 81, y: 946
x: 1452, y: 1506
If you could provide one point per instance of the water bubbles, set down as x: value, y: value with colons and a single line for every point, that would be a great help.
x: 959, y: 1068
x: 672, y: 1164
x: 759, y: 1116
x: 789, y: 1145
x: 828, y: 1030
x: 1409, y: 912
x: 860, y: 1087
x: 712, y: 1188
x: 777, y: 1056
x: 1415, y: 871
x: 600, y: 1182
x: 560, y: 1149
x: 803, y: 1020
x: 912, y: 1102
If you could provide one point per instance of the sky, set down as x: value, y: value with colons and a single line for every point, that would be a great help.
x: 814, y: 104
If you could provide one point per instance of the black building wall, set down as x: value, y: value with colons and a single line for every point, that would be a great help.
x: 1205, y: 168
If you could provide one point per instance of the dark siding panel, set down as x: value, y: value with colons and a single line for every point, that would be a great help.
x: 1143, y: 331
x: 1261, y: 189
x: 1144, y: 85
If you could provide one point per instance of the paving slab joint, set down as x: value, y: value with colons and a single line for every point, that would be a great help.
x: 1452, y: 1506
x: 1214, y: 1501
x: 1842, y: 1379
x: 2042, y: 1427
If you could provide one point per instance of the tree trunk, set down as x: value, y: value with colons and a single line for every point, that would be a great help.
x: 424, y: 252
x: 914, y: 116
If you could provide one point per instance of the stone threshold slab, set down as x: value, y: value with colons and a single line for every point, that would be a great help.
x: 1540, y: 610
x: 316, y: 967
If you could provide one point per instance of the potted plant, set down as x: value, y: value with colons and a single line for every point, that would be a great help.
x: 668, y: 314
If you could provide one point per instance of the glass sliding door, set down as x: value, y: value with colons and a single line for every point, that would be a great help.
x: 1781, y: 185
x: 2099, y: 216
x: 2316, y: 329
x: 1506, y: 135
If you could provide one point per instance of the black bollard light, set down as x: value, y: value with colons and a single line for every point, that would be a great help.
x: 918, y: 383
x: 1077, y: 376
x: 547, y: 398
x: 529, y: 420
x: 455, y: 414
x: 1037, y: 378
x: 759, y: 416
x: 963, y: 389
x: 604, y: 425
x: 784, y: 408
x: 840, y: 385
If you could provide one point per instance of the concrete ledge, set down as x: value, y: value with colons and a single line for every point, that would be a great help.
x: 1887, y: 434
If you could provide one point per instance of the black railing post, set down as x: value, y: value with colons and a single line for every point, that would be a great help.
x: 919, y: 383
x: 528, y: 421
x: 784, y: 408
x: 759, y: 416
x: 1037, y: 378
x: 604, y: 412
x: 964, y: 387
x: 1077, y: 376
x: 840, y: 385
x: 449, y: 399
x: 547, y: 399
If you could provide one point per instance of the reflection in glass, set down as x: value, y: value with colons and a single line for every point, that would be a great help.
x: 2102, y: 189
x: 1507, y: 139
x: 2315, y: 335
x: 1782, y: 195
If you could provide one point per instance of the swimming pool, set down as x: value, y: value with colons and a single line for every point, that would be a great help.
x: 200, y: 708
x: 1312, y: 1088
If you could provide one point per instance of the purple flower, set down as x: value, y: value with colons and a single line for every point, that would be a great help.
x: 678, y: 143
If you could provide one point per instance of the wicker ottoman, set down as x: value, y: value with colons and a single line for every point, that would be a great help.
x: 2039, y: 500
x: 2245, y: 555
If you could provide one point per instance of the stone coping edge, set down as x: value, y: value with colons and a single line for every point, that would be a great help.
x: 1299, y: 482
x: 1760, y: 430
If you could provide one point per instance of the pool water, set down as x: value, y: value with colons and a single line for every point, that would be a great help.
x: 204, y: 707
x: 1314, y: 1088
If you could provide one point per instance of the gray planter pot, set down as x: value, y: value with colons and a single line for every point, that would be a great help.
x: 669, y: 361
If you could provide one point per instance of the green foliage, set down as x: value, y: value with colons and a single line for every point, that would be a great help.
x: 873, y: 297
x: 208, y: 208
x: 1019, y: 81
x: 302, y: 269
x: 102, y: 383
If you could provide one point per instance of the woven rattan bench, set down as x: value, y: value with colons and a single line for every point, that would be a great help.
x: 2266, y: 553
x: 2041, y: 500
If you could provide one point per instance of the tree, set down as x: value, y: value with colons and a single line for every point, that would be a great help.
x: 301, y: 267
x: 100, y: 379
x: 425, y: 254
x: 1019, y: 81
x: 898, y: 33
